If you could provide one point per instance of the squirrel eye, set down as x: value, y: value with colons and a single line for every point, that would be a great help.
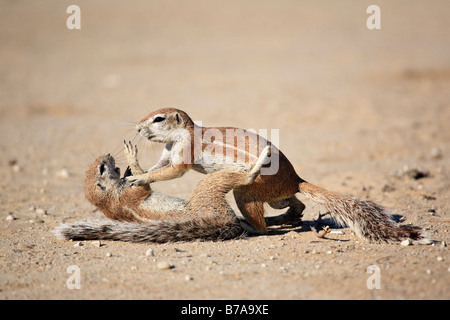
x: 101, y: 187
x: 159, y: 119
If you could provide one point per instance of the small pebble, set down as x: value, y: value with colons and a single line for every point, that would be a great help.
x: 41, y: 211
x: 150, y: 253
x: 440, y: 259
x: 63, y: 174
x: 406, y: 242
x: 78, y: 244
x: 10, y: 217
x: 164, y: 265
x: 436, y: 153
x: 97, y: 243
x: 188, y: 277
x: 36, y: 221
x: 109, y: 254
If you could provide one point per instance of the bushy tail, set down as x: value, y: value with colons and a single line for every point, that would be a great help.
x: 367, y: 219
x: 179, y: 229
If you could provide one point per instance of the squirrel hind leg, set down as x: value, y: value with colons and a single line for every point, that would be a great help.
x: 254, y: 173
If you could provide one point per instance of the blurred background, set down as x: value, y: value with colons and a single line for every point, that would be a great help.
x: 337, y: 91
x: 341, y: 95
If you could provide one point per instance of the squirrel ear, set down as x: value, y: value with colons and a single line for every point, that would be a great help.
x: 178, y: 118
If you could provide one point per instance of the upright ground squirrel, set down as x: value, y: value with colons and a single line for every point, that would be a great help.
x: 187, y: 148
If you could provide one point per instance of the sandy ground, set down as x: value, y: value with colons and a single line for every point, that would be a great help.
x: 355, y: 109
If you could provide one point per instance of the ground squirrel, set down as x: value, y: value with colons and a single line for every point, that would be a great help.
x: 186, y: 145
x: 141, y: 215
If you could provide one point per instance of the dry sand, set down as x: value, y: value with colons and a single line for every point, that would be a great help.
x: 355, y: 107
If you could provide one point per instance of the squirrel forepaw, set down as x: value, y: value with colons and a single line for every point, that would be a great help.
x: 137, y: 180
x: 130, y: 152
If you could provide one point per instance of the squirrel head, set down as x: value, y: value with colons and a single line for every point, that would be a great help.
x: 165, y: 125
x: 101, y: 181
x: 105, y: 189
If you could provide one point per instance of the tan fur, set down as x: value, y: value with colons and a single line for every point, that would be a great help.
x: 177, y: 131
x: 146, y: 215
x: 175, y: 128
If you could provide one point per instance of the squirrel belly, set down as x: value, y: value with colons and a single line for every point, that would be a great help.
x: 140, y: 215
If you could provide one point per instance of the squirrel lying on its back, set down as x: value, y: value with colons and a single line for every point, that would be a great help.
x: 141, y: 215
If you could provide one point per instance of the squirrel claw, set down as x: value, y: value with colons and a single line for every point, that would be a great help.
x: 130, y: 152
x: 136, y: 181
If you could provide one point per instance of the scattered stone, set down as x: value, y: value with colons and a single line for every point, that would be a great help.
x: 63, y: 174
x: 188, y: 277
x: 96, y: 243
x: 436, y: 153
x: 36, y: 221
x: 406, y: 242
x: 78, y: 244
x: 426, y: 242
x: 109, y: 254
x: 10, y: 217
x: 41, y: 211
x: 416, y: 173
x: 150, y: 253
x: 164, y: 265
x: 440, y: 259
